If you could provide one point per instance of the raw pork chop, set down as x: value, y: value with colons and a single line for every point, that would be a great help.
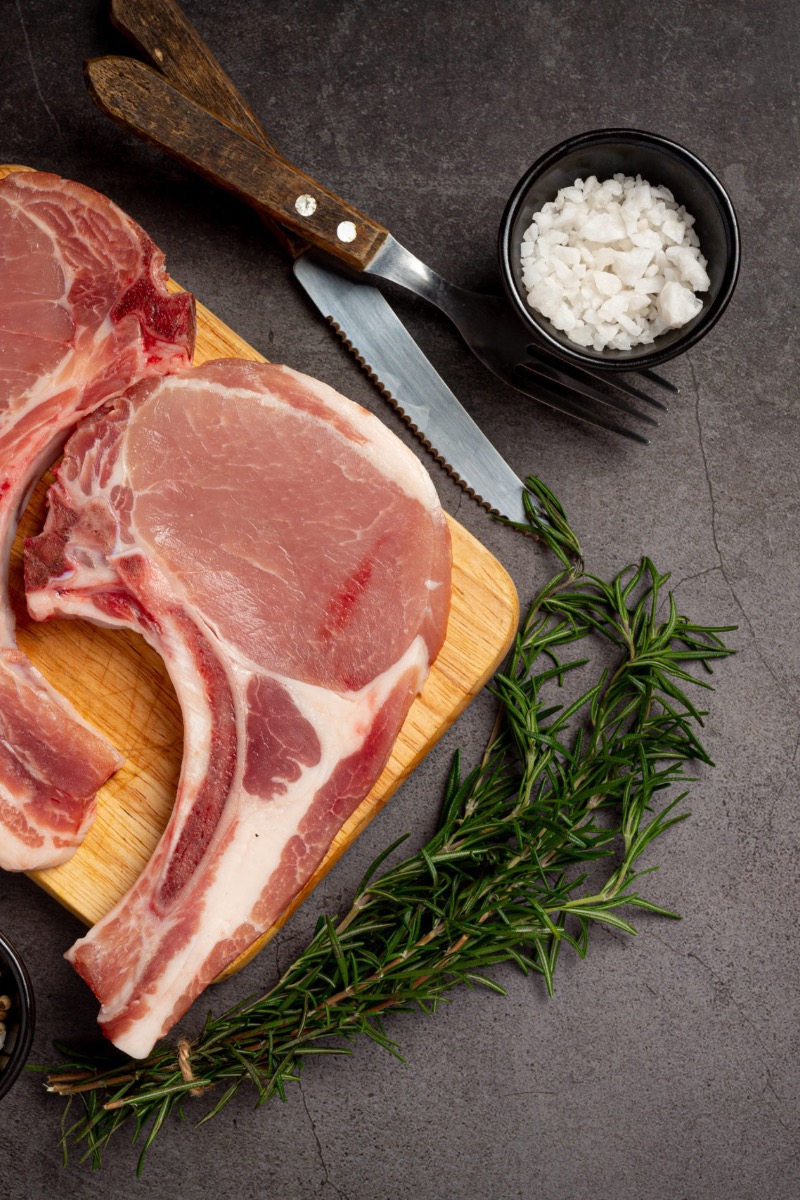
x: 288, y: 558
x: 83, y: 315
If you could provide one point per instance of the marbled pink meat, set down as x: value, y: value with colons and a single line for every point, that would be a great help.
x: 84, y: 314
x: 288, y: 558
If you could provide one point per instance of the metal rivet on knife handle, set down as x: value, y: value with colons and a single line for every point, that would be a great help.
x: 346, y: 231
x: 306, y: 205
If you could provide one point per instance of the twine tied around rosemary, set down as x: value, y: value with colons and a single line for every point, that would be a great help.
x: 185, y: 1065
x: 74, y: 1082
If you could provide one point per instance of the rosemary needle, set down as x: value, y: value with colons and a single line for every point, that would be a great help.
x: 563, y: 787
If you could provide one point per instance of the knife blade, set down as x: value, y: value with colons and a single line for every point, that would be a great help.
x: 141, y: 100
x: 392, y: 358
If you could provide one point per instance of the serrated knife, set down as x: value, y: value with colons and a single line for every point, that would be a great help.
x: 141, y: 100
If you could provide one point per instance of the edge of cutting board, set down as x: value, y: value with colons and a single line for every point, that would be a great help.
x: 121, y: 686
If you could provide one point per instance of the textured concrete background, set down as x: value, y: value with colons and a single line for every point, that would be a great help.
x: 666, y: 1065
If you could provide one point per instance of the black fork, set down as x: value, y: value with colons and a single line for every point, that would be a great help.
x: 501, y: 342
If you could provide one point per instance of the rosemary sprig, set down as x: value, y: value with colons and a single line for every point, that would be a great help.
x: 563, y: 785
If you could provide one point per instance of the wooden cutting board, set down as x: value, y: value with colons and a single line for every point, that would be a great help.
x: 121, y: 686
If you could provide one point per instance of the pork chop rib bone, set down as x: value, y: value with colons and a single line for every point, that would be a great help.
x: 287, y: 556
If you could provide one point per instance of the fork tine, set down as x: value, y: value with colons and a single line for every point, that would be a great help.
x: 572, y: 407
x: 604, y: 382
x: 582, y: 387
x: 654, y: 377
x: 639, y: 394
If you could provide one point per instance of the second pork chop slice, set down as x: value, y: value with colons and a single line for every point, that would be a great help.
x: 288, y: 558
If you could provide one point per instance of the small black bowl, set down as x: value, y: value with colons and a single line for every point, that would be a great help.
x: 16, y: 984
x: 605, y: 153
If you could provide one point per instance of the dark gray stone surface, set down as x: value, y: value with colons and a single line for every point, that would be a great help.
x: 666, y: 1065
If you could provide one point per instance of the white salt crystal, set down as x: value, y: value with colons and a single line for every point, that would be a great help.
x: 568, y: 216
x: 545, y: 295
x: 567, y: 254
x: 677, y: 304
x: 640, y: 195
x: 581, y: 335
x: 606, y: 282
x: 562, y: 273
x: 611, y: 309
x: 646, y: 238
x: 674, y: 230
x: 603, y: 227
x: 607, y: 329
x: 564, y: 318
x: 637, y: 303
x: 649, y: 285
x: 603, y: 258
x: 630, y: 221
x: 690, y: 268
x: 631, y: 265
x: 553, y: 237
x: 631, y: 327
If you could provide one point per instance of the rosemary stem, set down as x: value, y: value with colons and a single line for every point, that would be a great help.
x: 559, y: 786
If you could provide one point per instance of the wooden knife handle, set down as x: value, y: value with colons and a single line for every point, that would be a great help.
x: 141, y: 100
x: 161, y: 31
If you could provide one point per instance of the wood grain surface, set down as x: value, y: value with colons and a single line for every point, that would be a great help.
x: 143, y: 101
x: 120, y: 685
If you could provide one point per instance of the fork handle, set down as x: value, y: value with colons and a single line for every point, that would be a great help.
x: 161, y: 31
x: 143, y: 101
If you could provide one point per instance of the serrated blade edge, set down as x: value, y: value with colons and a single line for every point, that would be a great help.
x: 385, y: 350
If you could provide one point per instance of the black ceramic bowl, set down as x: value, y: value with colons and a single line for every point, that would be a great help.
x: 15, y: 983
x: 604, y: 153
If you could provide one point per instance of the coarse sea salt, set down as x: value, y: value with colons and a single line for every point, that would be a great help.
x: 613, y: 264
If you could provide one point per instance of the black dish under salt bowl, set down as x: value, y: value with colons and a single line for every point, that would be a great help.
x: 605, y: 153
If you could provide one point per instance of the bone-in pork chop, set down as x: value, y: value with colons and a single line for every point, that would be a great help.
x: 83, y: 315
x: 288, y: 558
